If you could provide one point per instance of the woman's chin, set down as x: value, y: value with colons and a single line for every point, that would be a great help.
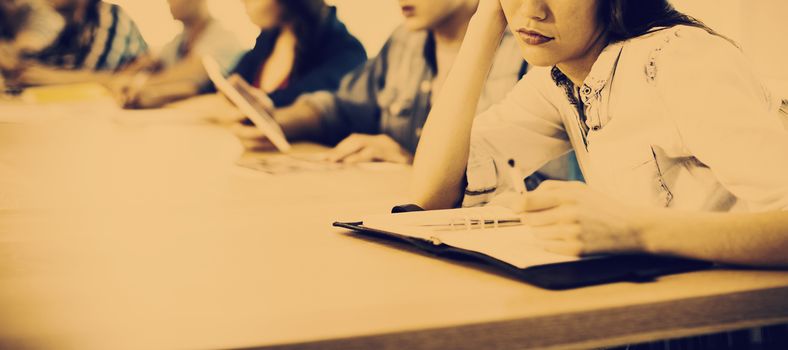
x: 538, y: 57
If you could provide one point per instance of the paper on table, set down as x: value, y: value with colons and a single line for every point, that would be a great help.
x: 286, y: 164
x: 512, y: 244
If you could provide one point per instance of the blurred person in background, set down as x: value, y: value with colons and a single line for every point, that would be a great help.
x: 98, y: 39
x: 26, y: 27
x: 177, y: 71
x: 380, y: 109
x: 302, y: 47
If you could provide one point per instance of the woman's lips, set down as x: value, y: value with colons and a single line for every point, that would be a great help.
x: 531, y: 37
x: 408, y: 11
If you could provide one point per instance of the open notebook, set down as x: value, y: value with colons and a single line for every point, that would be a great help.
x: 495, y: 236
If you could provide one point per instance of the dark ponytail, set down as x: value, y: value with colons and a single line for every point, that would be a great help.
x: 626, y: 19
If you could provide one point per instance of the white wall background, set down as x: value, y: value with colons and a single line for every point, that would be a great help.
x: 760, y: 26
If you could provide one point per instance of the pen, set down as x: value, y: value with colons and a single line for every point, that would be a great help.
x: 517, y: 178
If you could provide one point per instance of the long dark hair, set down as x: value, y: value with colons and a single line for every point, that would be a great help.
x: 626, y: 19
x: 307, y: 18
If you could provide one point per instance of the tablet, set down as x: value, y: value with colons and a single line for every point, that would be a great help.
x: 248, y: 104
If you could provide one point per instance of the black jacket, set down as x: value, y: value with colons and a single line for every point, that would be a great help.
x: 319, y: 66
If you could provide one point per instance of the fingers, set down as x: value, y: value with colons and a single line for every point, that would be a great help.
x: 235, y: 78
x: 560, y: 232
x: 258, y: 145
x: 366, y: 154
x: 572, y: 248
x: 537, y: 200
x: 551, y: 194
x: 562, y: 214
x: 350, y: 145
x: 245, y: 132
x: 512, y: 200
x: 560, y: 239
x: 359, y: 148
x: 252, y: 138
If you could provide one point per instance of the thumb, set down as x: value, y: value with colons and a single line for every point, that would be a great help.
x: 512, y: 200
x: 541, y: 199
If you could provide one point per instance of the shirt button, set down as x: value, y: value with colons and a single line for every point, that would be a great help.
x: 596, y: 128
x: 425, y: 87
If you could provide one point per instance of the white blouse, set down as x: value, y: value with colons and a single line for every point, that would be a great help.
x: 674, y: 118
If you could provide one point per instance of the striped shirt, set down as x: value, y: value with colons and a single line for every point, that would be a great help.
x: 107, y: 39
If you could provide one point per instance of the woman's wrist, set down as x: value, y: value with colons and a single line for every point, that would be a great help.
x: 650, y: 227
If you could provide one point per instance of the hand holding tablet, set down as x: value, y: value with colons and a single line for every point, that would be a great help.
x: 252, y: 103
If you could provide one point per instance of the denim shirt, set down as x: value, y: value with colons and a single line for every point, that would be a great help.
x: 674, y: 118
x: 391, y: 94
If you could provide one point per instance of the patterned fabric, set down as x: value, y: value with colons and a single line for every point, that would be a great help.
x: 107, y: 39
x: 33, y: 27
x: 391, y: 94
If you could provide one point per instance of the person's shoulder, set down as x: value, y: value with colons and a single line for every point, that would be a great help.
x: 406, y: 41
x: 111, y: 8
x: 219, y: 34
x: 115, y: 12
x: 680, y: 48
x: 681, y: 37
x: 332, y: 28
x: 334, y: 33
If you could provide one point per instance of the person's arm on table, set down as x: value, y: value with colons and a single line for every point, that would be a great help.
x: 329, y: 117
x: 299, y: 121
x: 574, y: 219
x: 37, y: 74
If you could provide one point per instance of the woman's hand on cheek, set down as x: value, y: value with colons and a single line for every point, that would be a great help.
x: 491, y: 9
x: 572, y: 219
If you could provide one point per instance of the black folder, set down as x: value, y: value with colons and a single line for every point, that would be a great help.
x: 557, y: 276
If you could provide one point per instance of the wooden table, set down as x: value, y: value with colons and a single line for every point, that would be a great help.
x: 118, y: 234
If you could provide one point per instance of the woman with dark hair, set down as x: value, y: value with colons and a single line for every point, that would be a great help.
x: 98, y: 39
x: 681, y: 146
x: 302, y: 47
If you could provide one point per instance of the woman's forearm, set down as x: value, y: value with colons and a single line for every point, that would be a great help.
x: 755, y: 239
x: 442, y: 153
